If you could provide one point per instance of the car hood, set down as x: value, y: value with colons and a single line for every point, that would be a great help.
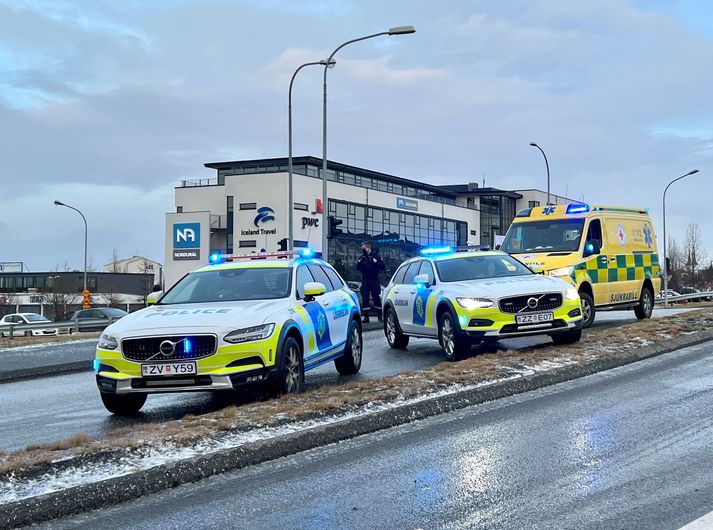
x: 548, y: 260
x: 494, y: 288
x: 196, y: 318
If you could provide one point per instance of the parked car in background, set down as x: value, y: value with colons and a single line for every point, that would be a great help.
x: 26, y: 318
x: 693, y: 290
x: 96, y: 319
x: 671, y: 293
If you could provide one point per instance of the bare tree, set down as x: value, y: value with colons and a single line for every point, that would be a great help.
x: 695, y: 254
x: 114, y: 264
x: 113, y: 299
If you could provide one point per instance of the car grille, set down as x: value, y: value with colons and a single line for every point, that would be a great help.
x: 149, y: 348
x: 518, y: 304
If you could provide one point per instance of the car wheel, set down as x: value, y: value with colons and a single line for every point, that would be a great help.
x: 588, y: 310
x: 451, y: 338
x: 28, y: 333
x: 646, y: 304
x: 396, y: 339
x: 291, y: 370
x: 123, y: 405
x: 567, y: 337
x: 350, y: 362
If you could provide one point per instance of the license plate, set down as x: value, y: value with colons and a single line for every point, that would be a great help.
x: 168, y: 369
x: 534, y: 319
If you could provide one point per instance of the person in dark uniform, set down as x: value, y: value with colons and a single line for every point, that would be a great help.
x: 370, y: 264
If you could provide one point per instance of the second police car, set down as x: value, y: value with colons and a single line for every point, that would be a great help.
x: 239, y: 321
x: 465, y: 297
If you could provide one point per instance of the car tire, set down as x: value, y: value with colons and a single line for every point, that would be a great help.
x: 123, y: 405
x: 396, y: 339
x: 290, y: 377
x: 350, y: 362
x: 646, y: 304
x: 567, y: 337
x: 453, y: 343
x: 28, y: 333
x: 588, y: 309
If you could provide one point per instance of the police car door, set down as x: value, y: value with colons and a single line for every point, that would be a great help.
x: 343, y: 305
x: 329, y: 334
x: 405, y: 296
x: 422, y: 318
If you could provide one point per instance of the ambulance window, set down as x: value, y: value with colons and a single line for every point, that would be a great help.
x: 320, y: 276
x: 427, y: 268
x: 303, y: 277
x: 594, y: 232
x: 412, y: 271
x: 399, y: 276
x: 333, y: 277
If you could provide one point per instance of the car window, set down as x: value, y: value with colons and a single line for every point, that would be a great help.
x: 303, y: 276
x: 114, y: 312
x: 320, y: 276
x: 480, y: 267
x: 88, y: 313
x: 427, y: 268
x: 399, y: 276
x: 337, y: 283
x: 412, y: 271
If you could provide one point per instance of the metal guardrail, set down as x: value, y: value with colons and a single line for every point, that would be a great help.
x: 685, y: 297
x: 62, y: 326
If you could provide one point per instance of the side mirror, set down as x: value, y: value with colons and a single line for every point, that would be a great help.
x: 537, y: 269
x: 313, y: 289
x: 422, y: 279
x: 591, y: 248
x: 153, y: 297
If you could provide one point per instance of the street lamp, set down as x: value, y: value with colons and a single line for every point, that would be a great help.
x: 58, y: 203
x: 547, y: 164
x: 665, y: 268
x: 399, y: 30
x: 290, y: 199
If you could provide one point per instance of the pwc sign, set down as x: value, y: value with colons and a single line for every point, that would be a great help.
x: 186, y: 241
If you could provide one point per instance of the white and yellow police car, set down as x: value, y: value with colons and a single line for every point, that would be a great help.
x: 462, y: 297
x: 240, y: 320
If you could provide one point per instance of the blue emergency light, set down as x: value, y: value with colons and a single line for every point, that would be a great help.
x: 187, y: 345
x: 429, y: 251
x: 577, y: 208
x: 307, y: 253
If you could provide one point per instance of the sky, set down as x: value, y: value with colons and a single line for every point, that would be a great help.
x: 107, y: 105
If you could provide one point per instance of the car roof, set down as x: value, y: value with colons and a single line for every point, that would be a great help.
x: 458, y: 254
x: 259, y: 263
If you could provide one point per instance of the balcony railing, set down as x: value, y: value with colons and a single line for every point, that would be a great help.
x: 192, y: 183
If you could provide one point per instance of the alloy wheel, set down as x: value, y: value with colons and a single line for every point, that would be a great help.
x: 356, y: 346
x: 447, y: 336
x: 292, y: 372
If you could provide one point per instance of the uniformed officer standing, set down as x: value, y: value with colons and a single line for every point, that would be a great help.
x: 370, y: 264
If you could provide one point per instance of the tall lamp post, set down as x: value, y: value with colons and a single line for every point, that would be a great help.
x: 665, y: 268
x: 399, y: 30
x: 58, y: 203
x: 547, y: 164
x: 290, y: 198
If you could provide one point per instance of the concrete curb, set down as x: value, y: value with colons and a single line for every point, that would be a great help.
x: 49, y: 370
x: 129, y: 487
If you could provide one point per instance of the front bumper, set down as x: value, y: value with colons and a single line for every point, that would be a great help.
x: 495, y: 324
x: 232, y: 366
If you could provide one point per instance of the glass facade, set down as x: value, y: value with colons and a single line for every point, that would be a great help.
x: 397, y: 234
x: 496, y: 214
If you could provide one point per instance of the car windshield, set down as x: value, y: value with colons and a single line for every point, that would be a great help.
x: 556, y: 235
x: 225, y: 285
x: 479, y: 267
x: 113, y: 312
x: 34, y: 317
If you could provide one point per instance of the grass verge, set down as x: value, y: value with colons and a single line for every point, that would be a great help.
x: 356, y: 395
x: 15, y: 342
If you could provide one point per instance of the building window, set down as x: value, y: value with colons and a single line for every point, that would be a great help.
x: 300, y: 206
x: 35, y: 299
x: 179, y: 209
x: 248, y: 206
x: 533, y: 204
x: 248, y: 243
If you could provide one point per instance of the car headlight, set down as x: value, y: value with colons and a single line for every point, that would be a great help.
x: 563, y: 271
x: 248, y: 334
x: 571, y: 294
x: 107, y: 342
x: 474, y: 303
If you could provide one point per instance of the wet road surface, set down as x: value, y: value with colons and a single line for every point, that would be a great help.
x: 43, y: 410
x: 627, y: 448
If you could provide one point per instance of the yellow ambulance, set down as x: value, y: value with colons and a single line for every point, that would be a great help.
x: 609, y: 253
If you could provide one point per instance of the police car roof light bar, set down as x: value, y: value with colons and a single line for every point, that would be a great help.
x: 428, y: 251
x: 216, y: 258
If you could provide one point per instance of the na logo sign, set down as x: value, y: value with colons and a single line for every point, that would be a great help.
x: 187, y: 235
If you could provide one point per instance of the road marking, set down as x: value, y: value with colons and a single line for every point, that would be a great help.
x: 703, y: 523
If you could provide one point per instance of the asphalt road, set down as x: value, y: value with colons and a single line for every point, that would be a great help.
x: 53, y: 408
x: 627, y: 448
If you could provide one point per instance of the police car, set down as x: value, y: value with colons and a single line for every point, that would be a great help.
x: 466, y: 296
x: 240, y: 320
